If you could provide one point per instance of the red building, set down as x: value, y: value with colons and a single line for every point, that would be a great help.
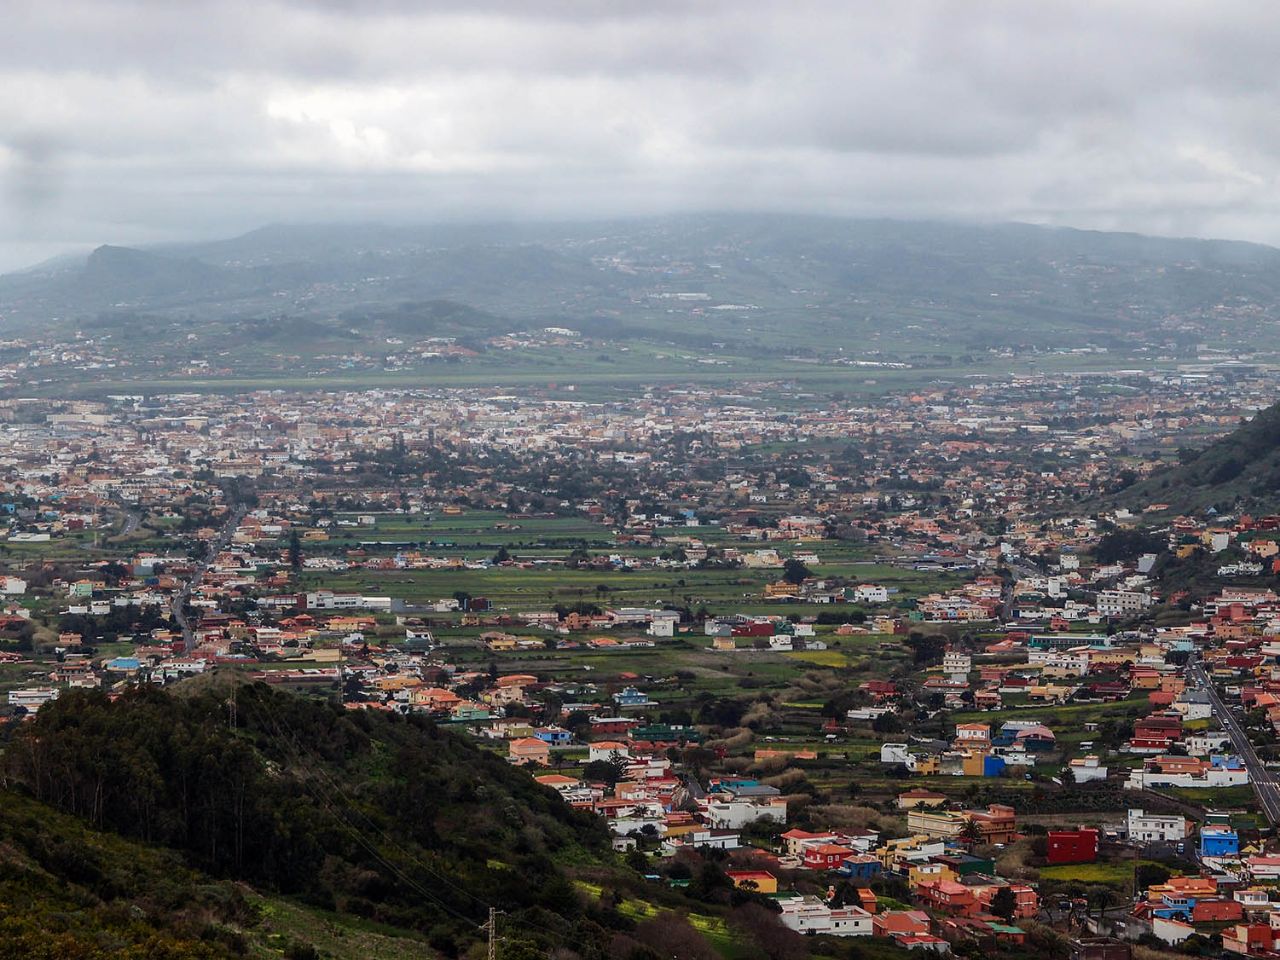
x: 1026, y: 902
x: 948, y: 896
x: 613, y: 725
x: 1217, y: 911
x: 826, y: 856
x: 1158, y: 726
x: 1073, y: 846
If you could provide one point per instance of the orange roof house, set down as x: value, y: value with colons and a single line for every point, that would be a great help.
x: 529, y: 750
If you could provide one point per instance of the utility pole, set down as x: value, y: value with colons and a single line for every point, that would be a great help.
x: 492, y: 927
x: 232, y: 703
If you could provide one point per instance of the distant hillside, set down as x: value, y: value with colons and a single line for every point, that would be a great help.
x: 123, y: 273
x: 1240, y: 471
x: 752, y: 283
x: 434, y: 318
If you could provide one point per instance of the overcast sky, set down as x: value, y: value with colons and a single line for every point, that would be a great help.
x: 130, y: 121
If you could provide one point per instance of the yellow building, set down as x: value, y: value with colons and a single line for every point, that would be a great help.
x: 761, y: 881
x: 773, y: 591
x: 974, y: 764
x: 1110, y: 658
x: 947, y: 824
x: 928, y: 871
x: 928, y: 766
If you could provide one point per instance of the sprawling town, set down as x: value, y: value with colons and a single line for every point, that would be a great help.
x: 904, y: 666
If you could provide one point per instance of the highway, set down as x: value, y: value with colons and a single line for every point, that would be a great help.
x: 1264, y: 782
x: 130, y: 523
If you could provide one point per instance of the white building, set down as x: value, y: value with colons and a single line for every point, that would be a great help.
x: 1147, y: 827
x: 1263, y: 869
x: 1194, y: 705
x: 808, y: 914
x: 606, y: 750
x: 1160, y: 772
x: 1203, y: 744
x: 32, y: 698
x: 870, y: 713
x: 736, y: 814
x: 704, y: 839
x: 897, y: 753
x: 957, y: 665
x: 871, y: 593
x: 1088, y: 769
x: 662, y: 627
x: 1122, y: 603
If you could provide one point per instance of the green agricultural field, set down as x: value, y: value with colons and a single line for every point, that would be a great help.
x: 1219, y: 798
x: 633, y: 367
x: 1116, y: 873
x: 539, y: 587
x: 470, y: 529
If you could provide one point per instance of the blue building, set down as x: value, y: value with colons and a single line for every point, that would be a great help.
x: 1219, y: 841
x: 861, y: 866
x: 631, y: 697
x: 553, y: 735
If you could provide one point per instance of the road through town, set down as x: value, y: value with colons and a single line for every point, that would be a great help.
x: 1263, y: 780
x: 178, y: 607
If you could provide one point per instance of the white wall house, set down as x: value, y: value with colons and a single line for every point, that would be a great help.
x: 1149, y: 827
x: 808, y: 914
x: 1088, y: 769
x: 1122, y: 603
x: 736, y: 814
x: 897, y: 753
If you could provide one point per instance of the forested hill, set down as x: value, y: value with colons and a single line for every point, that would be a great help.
x: 366, y: 814
x: 1240, y: 471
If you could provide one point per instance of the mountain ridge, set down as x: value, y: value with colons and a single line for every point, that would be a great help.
x: 761, y: 286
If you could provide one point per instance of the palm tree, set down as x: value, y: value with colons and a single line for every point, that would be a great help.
x: 970, y: 833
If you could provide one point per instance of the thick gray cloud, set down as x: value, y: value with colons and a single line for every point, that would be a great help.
x: 130, y: 121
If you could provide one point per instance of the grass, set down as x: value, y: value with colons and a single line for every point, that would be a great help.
x: 1218, y: 797
x: 1108, y: 873
x: 334, y: 936
x: 822, y: 658
x: 584, y: 378
x: 478, y: 534
x: 713, y: 928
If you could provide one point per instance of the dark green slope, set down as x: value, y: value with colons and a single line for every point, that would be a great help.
x: 67, y: 891
x: 1240, y: 471
x: 372, y: 817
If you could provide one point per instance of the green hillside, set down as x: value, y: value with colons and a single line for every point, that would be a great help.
x: 70, y: 892
x: 1240, y: 471
x: 379, y: 821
